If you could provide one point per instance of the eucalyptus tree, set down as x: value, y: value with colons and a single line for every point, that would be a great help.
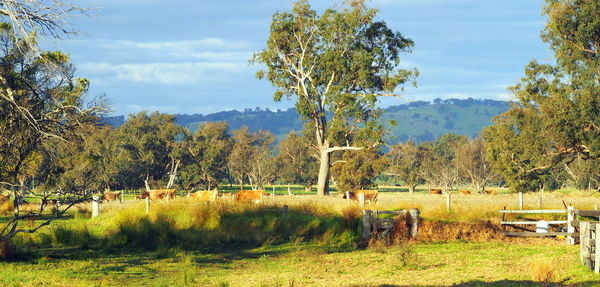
x: 404, y: 162
x: 473, y: 165
x: 557, y: 117
x: 205, y: 163
x: 42, y: 105
x: 297, y: 160
x: 335, y: 66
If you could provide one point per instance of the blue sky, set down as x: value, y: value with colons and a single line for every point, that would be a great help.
x: 191, y: 56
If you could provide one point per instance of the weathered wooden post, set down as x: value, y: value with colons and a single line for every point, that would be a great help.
x: 361, y: 200
x: 584, y: 244
x: 448, y: 201
x: 147, y: 205
x: 95, y: 206
x: 520, y: 200
x: 121, y: 196
x: 285, y: 209
x: 570, y: 227
x: 540, y: 202
x: 597, y: 248
x: 366, y: 225
x: 274, y: 192
x: 414, y: 222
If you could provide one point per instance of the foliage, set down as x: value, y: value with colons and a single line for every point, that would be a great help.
x: 297, y: 160
x: 358, y: 170
x: 405, y: 161
x: 557, y: 118
x: 42, y: 106
x: 205, y: 163
x: 439, y: 167
x: 251, y: 157
x: 473, y: 165
x: 335, y: 66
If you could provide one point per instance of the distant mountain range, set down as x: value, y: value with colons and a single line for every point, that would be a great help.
x: 420, y: 120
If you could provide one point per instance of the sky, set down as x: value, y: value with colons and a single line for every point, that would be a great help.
x: 192, y: 56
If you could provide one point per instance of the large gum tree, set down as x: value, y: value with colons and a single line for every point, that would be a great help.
x: 335, y: 66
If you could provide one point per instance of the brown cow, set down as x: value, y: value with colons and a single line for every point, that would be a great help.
x: 491, y: 192
x: 435, y: 191
x: 154, y: 195
x: 226, y: 194
x: 112, y: 195
x: 464, y: 191
x: 204, y: 195
x: 250, y: 195
x: 370, y: 195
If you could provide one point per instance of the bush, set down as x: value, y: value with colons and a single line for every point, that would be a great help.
x: 542, y: 272
x: 7, y: 249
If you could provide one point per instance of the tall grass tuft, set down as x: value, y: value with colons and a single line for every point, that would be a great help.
x: 542, y: 272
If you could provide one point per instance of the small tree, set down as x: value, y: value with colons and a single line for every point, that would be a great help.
x: 473, y: 165
x: 439, y: 164
x: 405, y: 162
x: 335, y: 65
x: 358, y: 170
x: 297, y: 161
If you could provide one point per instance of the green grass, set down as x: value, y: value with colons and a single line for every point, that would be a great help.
x: 441, y: 264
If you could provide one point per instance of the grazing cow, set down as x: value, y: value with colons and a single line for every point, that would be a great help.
x: 154, y: 195
x: 370, y: 195
x: 205, y: 195
x: 110, y: 196
x: 490, y: 192
x: 464, y: 191
x: 250, y: 195
x: 226, y: 194
x: 435, y: 191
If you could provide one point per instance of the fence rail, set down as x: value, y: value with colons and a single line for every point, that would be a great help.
x: 590, y: 245
x: 572, y: 223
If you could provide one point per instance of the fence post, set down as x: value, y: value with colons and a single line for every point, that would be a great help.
x: 361, y: 200
x: 366, y: 225
x: 414, y: 222
x: 290, y: 191
x: 285, y: 209
x: 274, y: 192
x: 148, y: 204
x: 520, y: 200
x: 121, y: 196
x: 95, y: 206
x: 597, y: 249
x: 540, y: 202
x: 348, y: 196
x: 448, y: 201
x: 584, y: 244
x: 570, y: 227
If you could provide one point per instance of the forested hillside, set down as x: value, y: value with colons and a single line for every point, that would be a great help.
x: 421, y: 121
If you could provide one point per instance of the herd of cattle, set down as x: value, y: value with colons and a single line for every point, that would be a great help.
x: 254, y: 196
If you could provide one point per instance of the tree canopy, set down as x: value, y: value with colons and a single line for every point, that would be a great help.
x: 335, y: 66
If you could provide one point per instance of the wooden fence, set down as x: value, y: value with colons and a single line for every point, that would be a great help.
x: 590, y: 244
x: 571, y: 223
x: 374, y: 225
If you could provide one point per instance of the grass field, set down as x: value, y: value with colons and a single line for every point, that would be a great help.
x: 183, y: 243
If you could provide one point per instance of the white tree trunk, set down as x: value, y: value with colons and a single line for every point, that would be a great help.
x: 323, y: 182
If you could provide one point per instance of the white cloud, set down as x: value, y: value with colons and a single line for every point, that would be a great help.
x: 163, y: 73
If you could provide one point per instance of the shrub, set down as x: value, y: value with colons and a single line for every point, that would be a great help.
x: 7, y: 249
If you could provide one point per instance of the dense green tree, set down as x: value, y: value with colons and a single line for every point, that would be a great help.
x: 335, y: 66
x: 357, y: 170
x: 205, y: 163
x: 404, y: 162
x: 297, y: 160
x: 149, y: 148
x: 557, y: 117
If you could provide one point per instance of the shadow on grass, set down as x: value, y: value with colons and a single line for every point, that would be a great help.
x: 510, y: 283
